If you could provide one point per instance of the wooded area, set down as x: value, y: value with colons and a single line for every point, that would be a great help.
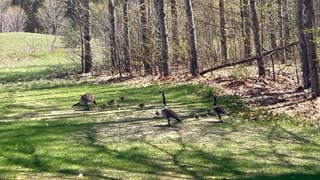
x: 146, y: 37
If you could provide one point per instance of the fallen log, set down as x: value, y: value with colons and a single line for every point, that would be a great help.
x: 247, y: 60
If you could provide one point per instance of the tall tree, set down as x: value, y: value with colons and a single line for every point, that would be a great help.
x: 146, y: 58
x: 31, y: 8
x: 247, y: 26
x: 194, y: 69
x: 112, y: 20
x: 286, y: 27
x: 164, y: 38
x: 86, y: 36
x: 303, y: 52
x: 308, y: 22
x: 126, y: 46
x: 223, y: 39
x: 174, y: 30
x: 271, y: 27
x: 74, y: 13
x: 280, y: 30
x: 255, y: 29
x: 51, y: 16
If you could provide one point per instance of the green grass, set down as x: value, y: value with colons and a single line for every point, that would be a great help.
x: 43, y: 137
x: 26, y: 56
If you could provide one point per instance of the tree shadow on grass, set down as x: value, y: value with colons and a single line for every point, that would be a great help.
x: 23, y: 76
x: 142, y: 150
x: 296, y: 176
x: 124, y: 144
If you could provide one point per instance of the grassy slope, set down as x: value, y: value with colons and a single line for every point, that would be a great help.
x: 42, y: 137
x: 17, y: 50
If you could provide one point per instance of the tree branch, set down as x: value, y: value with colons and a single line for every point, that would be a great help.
x: 249, y: 59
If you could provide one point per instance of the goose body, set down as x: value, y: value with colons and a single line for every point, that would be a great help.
x: 141, y: 106
x: 219, y: 111
x: 111, y: 102
x: 122, y: 98
x: 157, y: 113
x: 166, y: 112
x: 87, y: 99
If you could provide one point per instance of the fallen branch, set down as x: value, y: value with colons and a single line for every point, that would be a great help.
x: 247, y: 60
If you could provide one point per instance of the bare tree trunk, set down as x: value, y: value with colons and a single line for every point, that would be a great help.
x: 126, y: 46
x: 303, y: 52
x: 194, y: 69
x: 286, y: 28
x: 83, y: 66
x: 247, y: 32
x: 308, y: 22
x: 271, y: 28
x: 174, y: 30
x: 223, y: 39
x: 280, y: 26
x: 144, y: 35
x: 87, y: 36
x: 255, y: 28
x: 157, y: 41
x: 242, y: 19
x: 112, y: 20
x: 262, y: 22
x: 164, y: 38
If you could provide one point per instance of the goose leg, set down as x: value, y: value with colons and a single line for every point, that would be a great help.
x: 76, y: 104
x: 87, y: 107
x: 220, y: 120
x: 169, y: 124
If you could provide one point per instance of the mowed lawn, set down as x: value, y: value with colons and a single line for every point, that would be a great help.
x: 43, y: 137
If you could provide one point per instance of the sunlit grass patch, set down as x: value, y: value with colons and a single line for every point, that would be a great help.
x: 26, y: 56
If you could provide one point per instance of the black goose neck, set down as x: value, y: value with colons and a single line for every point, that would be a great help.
x: 163, y: 99
x: 214, y: 101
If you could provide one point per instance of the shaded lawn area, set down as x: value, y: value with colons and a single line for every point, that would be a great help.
x: 44, y: 138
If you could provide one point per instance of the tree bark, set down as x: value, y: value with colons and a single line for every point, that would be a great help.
x: 194, y: 69
x: 112, y: 20
x: 303, y: 52
x: 255, y: 28
x: 286, y: 28
x: 308, y: 22
x: 146, y: 59
x: 164, y: 39
x: 87, y: 36
x: 126, y: 46
x: 247, y: 32
x: 174, y: 30
x: 280, y: 31
x: 271, y: 28
x: 223, y: 39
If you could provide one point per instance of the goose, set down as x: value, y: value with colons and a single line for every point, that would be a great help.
x: 166, y: 112
x: 141, y: 106
x: 111, y: 102
x: 87, y: 99
x: 122, y: 98
x: 157, y: 113
x: 218, y: 110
